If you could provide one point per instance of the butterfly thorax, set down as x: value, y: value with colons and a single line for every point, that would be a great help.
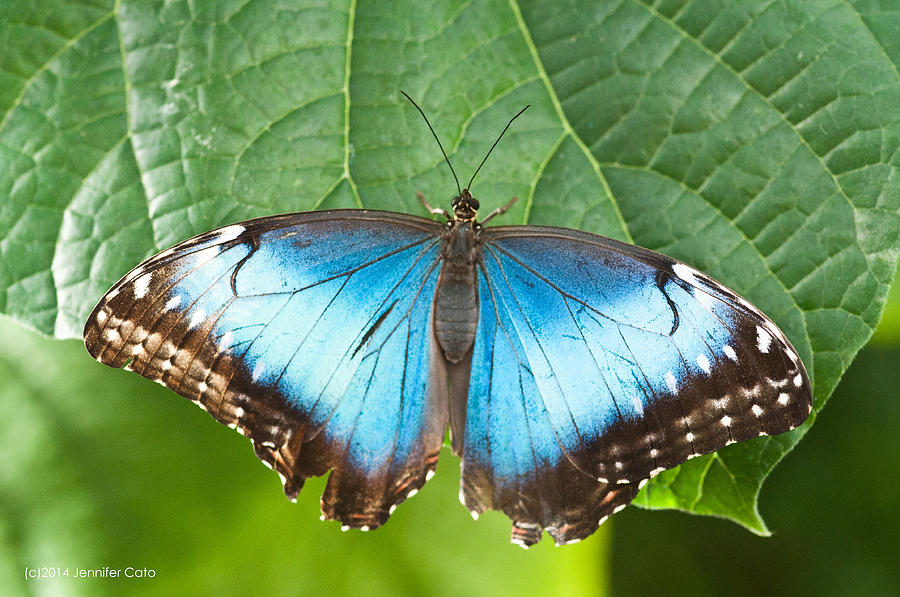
x: 456, y: 297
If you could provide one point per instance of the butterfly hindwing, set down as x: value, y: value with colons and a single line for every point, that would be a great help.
x: 622, y: 362
x: 308, y: 333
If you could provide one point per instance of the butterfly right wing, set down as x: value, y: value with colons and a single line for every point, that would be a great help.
x: 308, y: 333
x: 597, y: 365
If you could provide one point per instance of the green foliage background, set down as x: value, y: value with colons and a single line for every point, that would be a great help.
x: 756, y: 140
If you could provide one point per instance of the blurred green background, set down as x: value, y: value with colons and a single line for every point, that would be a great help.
x: 103, y: 468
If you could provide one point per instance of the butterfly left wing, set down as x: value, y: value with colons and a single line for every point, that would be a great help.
x: 308, y: 333
x: 598, y: 364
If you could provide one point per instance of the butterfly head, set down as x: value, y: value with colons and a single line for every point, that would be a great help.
x: 465, y: 206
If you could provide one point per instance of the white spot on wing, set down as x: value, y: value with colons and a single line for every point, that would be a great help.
x: 783, y: 399
x: 638, y: 407
x: 429, y: 475
x: 729, y: 352
x: 757, y: 410
x: 618, y: 508
x: 686, y: 273
x: 704, y: 298
x: 763, y: 340
x: 197, y: 318
x: 777, y: 383
x: 392, y: 509
x: 703, y: 362
x: 689, y: 436
x: 798, y: 380
x: 726, y: 420
x: 206, y: 255
x: 142, y: 285
x: 172, y: 303
x: 653, y: 452
x: 258, y: 370
x: 754, y: 391
x: 101, y: 316
x: 229, y: 233
x: 411, y: 493
x: 671, y: 383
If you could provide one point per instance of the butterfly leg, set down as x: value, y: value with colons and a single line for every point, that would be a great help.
x: 500, y: 210
x: 435, y: 210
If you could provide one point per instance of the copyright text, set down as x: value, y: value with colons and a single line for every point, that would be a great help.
x: 42, y: 573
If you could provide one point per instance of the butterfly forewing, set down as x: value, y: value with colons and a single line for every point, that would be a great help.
x: 309, y: 334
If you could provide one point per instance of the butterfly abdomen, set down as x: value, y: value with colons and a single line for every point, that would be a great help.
x: 456, y: 296
x: 456, y: 312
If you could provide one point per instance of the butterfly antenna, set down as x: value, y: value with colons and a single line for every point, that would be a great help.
x: 452, y: 171
x: 469, y: 186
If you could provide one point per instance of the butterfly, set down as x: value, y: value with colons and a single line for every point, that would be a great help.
x: 570, y: 368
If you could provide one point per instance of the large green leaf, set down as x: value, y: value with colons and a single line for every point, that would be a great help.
x: 757, y: 141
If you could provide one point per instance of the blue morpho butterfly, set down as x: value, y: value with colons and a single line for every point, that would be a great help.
x: 569, y: 367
